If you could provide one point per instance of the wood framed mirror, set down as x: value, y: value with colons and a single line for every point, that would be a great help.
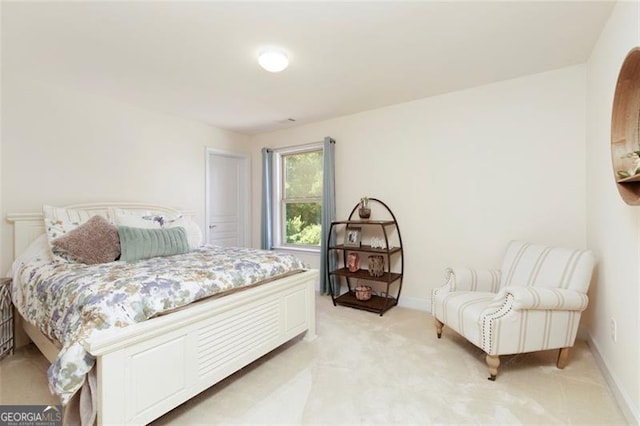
x: 625, y: 130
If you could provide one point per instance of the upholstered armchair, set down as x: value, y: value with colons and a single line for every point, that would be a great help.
x: 532, y: 303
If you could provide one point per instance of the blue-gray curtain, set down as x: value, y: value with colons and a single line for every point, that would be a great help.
x: 266, y: 234
x: 328, y: 215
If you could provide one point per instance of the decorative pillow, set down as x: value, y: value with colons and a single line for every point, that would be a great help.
x: 144, y: 243
x: 95, y: 241
x: 155, y: 221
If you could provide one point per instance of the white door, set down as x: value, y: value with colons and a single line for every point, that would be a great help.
x: 227, y: 199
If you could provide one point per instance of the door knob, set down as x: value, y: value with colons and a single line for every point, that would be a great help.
x: 212, y: 226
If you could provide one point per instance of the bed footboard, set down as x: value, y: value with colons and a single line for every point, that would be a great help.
x: 149, y: 368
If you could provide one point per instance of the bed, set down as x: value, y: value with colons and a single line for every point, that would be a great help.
x: 146, y: 369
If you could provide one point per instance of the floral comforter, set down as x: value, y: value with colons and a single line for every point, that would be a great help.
x: 70, y: 302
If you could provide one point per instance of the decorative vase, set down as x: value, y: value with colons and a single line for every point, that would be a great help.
x: 376, y: 265
x: 364, y: 212
x: 353, y: 262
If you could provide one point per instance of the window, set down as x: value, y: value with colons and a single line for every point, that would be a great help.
x: 298, y: 203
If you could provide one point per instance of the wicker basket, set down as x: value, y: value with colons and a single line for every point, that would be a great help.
x: 6, y: 318
x: 363, y: 292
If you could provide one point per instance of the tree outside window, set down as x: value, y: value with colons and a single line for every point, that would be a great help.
x: 301, y: 203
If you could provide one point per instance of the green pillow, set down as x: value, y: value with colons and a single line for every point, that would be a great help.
x: 140, y: 243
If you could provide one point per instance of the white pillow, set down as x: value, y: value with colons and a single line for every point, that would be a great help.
x: 38, y: 249
x: 59, y: 220
x: 156, y: 221
x: 145, y: 221
x: 194, y: 234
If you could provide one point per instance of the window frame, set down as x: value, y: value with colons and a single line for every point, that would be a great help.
x: 278, y: 202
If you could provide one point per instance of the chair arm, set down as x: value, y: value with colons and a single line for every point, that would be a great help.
x: 467, y: 279
x: 543, y: 298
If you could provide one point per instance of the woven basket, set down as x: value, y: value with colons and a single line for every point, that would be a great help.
x: 363, y: 292
x: 6, y: 318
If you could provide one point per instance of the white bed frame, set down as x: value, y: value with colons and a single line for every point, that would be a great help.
x: 147, y: 369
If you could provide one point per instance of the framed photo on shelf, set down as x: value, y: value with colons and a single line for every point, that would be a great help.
x: 352, y: 236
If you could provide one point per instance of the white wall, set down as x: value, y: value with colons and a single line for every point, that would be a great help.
x: 612, y: 226
x: 464, y: 172
x: 61, y: 147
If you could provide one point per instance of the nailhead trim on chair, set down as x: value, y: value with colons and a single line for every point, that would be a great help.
x: 487, y: 323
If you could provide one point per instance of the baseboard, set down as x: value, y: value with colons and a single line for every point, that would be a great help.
x: 414, y: 303
x: 625, y: 404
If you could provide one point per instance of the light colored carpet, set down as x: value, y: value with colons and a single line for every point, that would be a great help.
x: 366, y: 369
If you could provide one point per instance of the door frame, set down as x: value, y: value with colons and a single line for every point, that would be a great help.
x: 244, y: 196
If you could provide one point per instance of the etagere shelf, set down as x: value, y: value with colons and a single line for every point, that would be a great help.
x: 392, y: 253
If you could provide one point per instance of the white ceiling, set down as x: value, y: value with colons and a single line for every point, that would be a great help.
x: 199, y: 59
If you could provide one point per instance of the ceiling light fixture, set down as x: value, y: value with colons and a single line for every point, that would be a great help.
x: 273, y: 60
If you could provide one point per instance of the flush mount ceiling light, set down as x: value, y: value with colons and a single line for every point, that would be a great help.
x: 273, y: 60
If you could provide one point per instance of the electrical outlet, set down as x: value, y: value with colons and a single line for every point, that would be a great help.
x: 613, y: 330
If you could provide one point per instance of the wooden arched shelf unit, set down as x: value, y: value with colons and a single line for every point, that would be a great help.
x: 625, y: 128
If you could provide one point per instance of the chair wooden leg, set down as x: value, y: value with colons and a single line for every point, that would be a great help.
x: 493, y: 361
x: 439, y: 326
x: 563, y: 357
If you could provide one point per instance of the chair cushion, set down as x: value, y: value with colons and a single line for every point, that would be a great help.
x: 461, y: 311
